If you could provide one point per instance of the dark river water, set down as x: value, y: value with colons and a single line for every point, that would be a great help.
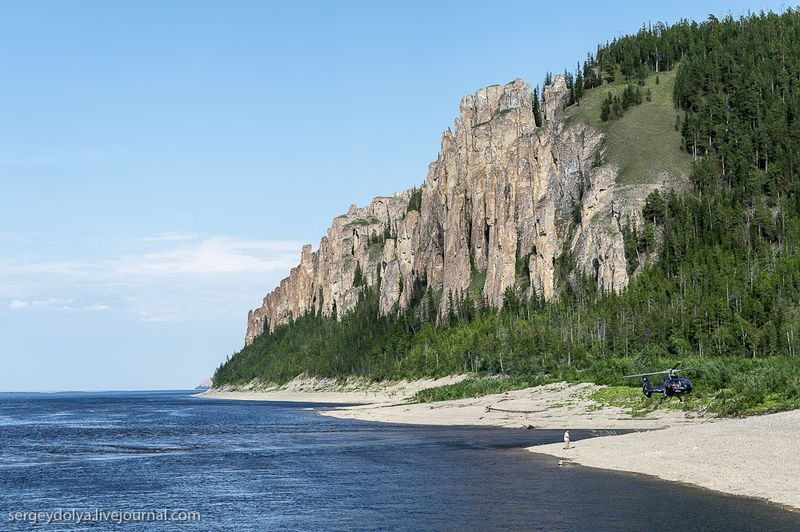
x: 230, y: 465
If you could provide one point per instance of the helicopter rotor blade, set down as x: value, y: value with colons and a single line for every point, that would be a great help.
x: 644, y: 374
x: 675, y: 367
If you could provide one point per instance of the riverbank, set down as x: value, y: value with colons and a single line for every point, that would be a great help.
x: 304, y: 389
x: 552, y: 406
x: 560, y: 406
x: 753, y: 457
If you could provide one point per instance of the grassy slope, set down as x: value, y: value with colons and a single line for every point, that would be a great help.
x: 643, y: 143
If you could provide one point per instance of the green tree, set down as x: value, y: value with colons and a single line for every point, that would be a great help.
x: 537, y: 112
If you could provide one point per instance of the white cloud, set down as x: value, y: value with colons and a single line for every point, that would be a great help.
x: 54, y: 268
x: 170, y: 277
x: 53, y: 303
x: 215, y: 255
x: 170, y: 236
x: 162, y: 315
x: 59, y: 304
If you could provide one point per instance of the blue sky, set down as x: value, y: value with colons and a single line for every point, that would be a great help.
x: 162, y: 162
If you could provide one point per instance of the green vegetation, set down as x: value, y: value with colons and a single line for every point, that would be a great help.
x: 614, y: 107
x: 476, y: 284
x: 621, y: 396
x: 363, y: 221
x: 725, y: 385
x: 476, y: 387
x: 376, y: 240
x: 722, y: 291
x: 537, y: 111
x: 638, y: 143
x: 358, y: 276
x: 415, y: 201
x: 639, y: 242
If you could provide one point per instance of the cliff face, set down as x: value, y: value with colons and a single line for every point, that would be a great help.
x: 502, y: 195
x: 325, y: 280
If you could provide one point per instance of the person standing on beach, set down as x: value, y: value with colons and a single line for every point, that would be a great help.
x: 566, y: 440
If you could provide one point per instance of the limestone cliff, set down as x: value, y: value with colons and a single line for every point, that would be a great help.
x: 500, y: 204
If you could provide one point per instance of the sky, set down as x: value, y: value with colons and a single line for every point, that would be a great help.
x: 162, y: 162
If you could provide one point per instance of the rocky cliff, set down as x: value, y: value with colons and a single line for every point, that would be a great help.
x: 502, y: 202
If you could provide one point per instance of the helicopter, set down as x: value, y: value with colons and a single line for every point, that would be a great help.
x: 672, y: 385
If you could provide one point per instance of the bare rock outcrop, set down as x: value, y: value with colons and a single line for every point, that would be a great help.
x: 502, y: 202
x: 331, y: 279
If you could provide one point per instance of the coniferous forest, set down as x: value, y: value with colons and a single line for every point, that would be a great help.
x: 721, y: 291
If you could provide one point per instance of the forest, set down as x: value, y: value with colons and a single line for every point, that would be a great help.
x: 720, y: 290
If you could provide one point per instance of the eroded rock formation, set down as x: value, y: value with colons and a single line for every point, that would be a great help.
x: 499, y: 206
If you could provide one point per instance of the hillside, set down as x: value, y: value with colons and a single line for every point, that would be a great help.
x: 550, y: 242
x: 639, y: 143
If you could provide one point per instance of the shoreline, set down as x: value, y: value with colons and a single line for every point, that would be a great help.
x: 355, y: 392
x: 750, y: 457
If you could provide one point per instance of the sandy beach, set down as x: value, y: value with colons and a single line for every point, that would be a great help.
x: 754, y: 457
x: 312, y: 390
x: 553, y: 406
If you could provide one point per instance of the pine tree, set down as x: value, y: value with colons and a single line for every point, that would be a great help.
x: 641, y: 74
x: 569, y: 80
x: 358, y: 277
x: 605, y: 109
x: 609, y: 72
x: 616, y: 108
x: 628, y: 96
x: 537, y: 112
